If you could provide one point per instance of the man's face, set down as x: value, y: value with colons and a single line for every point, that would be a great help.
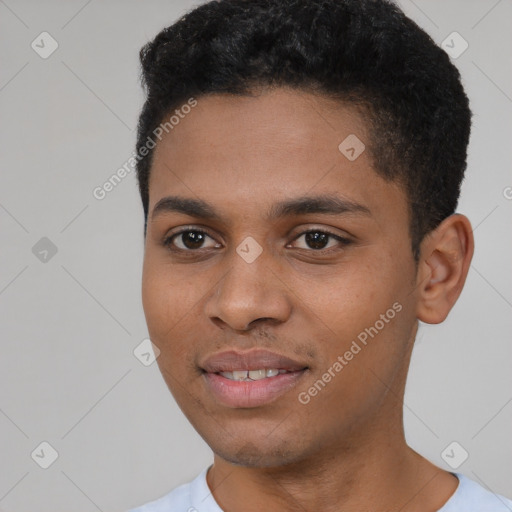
x: 311, y: 298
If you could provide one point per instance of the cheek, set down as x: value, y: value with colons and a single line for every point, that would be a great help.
x: 368, y: 305
x: 168, y: 301
x: 168, y: 307
x: 371, y: 320
x: 352, y: 297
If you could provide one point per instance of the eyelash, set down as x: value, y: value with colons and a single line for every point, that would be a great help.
x: 168, y: 241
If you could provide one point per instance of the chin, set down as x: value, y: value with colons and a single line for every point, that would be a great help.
x: 254, y: 455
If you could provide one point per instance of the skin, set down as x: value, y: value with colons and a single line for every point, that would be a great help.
x: 345, y: 449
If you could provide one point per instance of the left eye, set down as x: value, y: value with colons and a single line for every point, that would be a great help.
x: 318, y: 240
x: 190, y: 239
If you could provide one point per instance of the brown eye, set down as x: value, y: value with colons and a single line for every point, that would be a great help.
x: 188, y: 240
x: 318, y: 240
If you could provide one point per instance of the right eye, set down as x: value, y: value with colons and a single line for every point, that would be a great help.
x: 188, y: 240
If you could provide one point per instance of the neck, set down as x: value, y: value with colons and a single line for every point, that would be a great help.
x: 382, y: 475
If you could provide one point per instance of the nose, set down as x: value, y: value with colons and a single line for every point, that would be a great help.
x: 249, y: 294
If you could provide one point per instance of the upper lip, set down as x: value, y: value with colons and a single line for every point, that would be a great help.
x: 232, y: 360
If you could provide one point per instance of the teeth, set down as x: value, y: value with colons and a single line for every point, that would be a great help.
x: 243, y: 375
x: 257, y: 374
x: 239, y: 375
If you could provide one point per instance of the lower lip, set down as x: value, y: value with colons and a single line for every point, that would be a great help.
x: 233, y: 393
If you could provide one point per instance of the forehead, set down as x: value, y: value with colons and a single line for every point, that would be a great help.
x: 246, y: 151
x: 277, y: 123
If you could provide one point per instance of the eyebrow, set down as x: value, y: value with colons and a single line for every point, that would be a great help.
x: 323, y: 204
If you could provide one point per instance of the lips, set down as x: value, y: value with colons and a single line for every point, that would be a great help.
x: 250, y: 379
x: 232, y: 360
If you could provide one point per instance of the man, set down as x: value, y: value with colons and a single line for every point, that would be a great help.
x: 299, y: 165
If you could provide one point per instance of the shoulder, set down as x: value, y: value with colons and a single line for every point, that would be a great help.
x: 182, y: 498
x: 470, y: 496
x: 177, y: 499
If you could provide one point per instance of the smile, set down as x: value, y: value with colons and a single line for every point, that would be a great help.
x: 248, y: 375
x: 250, y: 379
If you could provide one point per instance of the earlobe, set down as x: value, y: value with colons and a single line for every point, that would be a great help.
x: 443, y: 267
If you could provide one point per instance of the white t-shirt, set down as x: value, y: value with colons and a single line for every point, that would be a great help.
x: 196, y: 497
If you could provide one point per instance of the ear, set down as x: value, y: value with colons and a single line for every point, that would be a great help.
x: 445, y: 256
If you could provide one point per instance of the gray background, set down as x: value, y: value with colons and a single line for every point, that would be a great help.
x: 69, y: 325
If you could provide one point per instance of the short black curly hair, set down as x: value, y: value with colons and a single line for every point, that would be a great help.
x: 366, y: 53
